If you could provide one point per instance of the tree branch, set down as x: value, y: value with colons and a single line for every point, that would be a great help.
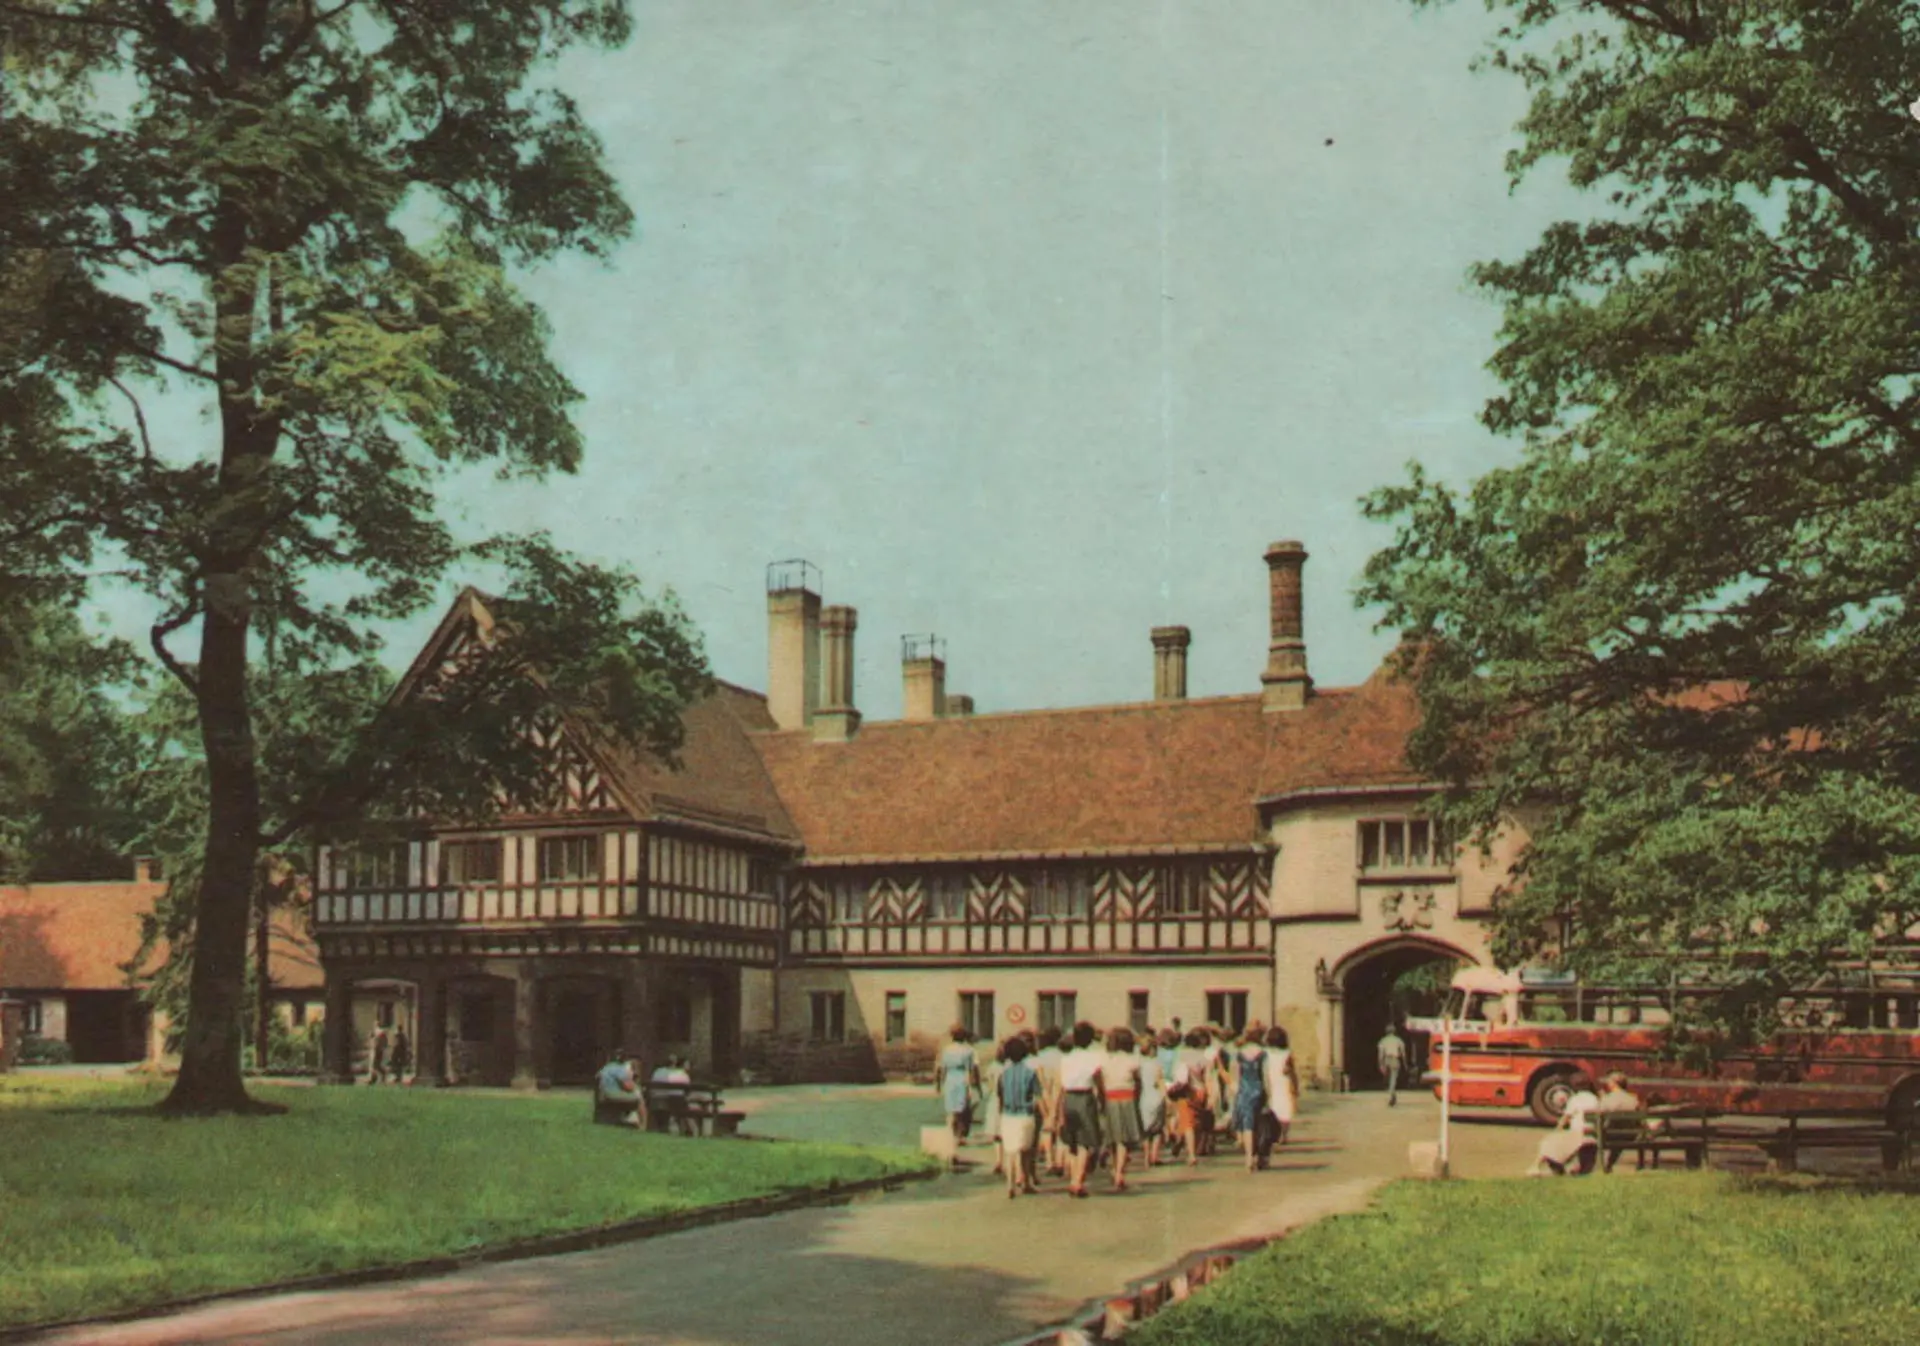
x: 157, y: 637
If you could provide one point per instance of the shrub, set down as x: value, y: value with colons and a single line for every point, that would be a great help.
x: 39, y: 1051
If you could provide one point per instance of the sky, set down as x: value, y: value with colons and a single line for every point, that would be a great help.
x: 1029, y: 322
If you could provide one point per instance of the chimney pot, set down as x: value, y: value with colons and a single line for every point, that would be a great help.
x: 1170, y: 662
x: 1284, y: 683
x: 836, y: 721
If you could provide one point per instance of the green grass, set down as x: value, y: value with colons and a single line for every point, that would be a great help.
x: 1682, y: 1258
x: 104, y: 1206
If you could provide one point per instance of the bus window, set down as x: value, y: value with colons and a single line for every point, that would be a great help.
x: 1546, y: 1007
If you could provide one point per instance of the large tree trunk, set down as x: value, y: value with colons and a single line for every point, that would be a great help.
x: 210, y: 1080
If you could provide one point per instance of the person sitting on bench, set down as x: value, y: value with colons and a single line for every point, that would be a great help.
x: 1571, y: 1144
x: 670, y: 1084
x: 617, y: 1100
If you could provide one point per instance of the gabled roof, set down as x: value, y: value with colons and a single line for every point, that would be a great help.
x: 718, y: 782
x: 721, y: 781
x: 71, y: 936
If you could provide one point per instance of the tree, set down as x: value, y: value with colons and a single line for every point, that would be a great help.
x: 305, y: 214
x: 64, y: 743
x: 1677, y: 637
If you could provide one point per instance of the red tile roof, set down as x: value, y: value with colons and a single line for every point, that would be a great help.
x: 76, y: 936
x: 1163, y: 775
x: 721, y: 780
x: 71, y: 936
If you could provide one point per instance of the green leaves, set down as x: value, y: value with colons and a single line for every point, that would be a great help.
x: 1677, y: 630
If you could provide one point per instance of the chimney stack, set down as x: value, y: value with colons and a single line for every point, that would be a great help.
x: 923, y: 676
x: 959, y: 707
x: 1170, y: 662
x: 1284, y: 683
x: 836, y: 720
x: 793, y: 643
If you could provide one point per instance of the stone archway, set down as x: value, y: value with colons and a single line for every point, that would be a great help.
x: 1370, y: 994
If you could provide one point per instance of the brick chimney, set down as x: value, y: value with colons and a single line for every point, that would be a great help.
x: 793, y: 643
x: 836, y: 720
x: 1284, y: 683
x: 1170, y: 662
x: 923, y: 677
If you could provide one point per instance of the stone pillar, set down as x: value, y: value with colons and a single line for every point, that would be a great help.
x: 529, y: 1031
x: 1170, y: 662
x: 430, y: 1041
x: 636, y: 1013
x: 1284, y: 683
x: 336, y: 1038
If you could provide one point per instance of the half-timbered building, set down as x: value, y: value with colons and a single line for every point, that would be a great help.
x: 808, y: 896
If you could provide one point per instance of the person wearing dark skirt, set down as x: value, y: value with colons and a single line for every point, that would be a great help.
x: 1080, y: 1105
x: 1120, y: 1082
x: 1250, y: 1091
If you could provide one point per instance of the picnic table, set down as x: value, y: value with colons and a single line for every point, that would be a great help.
x: 700, y: 1105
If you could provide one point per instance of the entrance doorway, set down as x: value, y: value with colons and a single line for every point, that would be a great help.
x: 1389, y: 986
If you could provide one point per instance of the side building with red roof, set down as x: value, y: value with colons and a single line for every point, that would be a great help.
x: 811, y: 896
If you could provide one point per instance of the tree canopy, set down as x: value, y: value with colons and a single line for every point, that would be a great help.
x: 306, y: 216
x: 1677, y: 637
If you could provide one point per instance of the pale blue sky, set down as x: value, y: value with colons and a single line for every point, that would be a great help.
x: 1030, y: 322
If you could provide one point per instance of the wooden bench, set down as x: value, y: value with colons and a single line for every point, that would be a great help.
x: 698, y: 1105
x: 1652, y: 1132
x: 1694, y: 1132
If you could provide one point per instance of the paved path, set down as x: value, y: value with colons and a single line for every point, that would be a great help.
x: 949, y: 1261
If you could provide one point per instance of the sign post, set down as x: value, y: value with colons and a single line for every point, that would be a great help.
x: 1446, y: 1086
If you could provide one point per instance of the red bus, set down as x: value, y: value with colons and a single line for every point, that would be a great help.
x: 1518, y: 1039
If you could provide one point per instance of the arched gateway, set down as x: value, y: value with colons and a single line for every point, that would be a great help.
x: 1386, y: 982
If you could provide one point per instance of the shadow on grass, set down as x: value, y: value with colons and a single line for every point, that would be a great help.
x: 1802, y: 1185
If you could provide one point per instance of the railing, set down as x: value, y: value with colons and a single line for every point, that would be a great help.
x: 482, y: 904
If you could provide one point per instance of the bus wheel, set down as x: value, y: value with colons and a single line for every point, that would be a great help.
x: 1903, y: 1109
x: 1549, y: 1094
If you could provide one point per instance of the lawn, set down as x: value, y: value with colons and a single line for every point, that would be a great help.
x: 104, y: 1206
x: 1693, y: 1258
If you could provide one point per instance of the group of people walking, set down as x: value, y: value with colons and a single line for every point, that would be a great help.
x: 1065, y: 1101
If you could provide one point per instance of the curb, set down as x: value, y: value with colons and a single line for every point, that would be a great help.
x: 539, y: 1245
x: 1109, y: 1317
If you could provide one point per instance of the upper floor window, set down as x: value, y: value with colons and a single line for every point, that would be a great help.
x: 1061, y: 893
x: 1183, y: 888
x: 947, y: 891
x: 370, y: 864
x: 569, y: 858
x: 1401, y: 843
x: 476, y: 861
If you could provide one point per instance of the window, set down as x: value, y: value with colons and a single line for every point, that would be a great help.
x: 1137, y: 1010
x: 896, y: 1016
x: 1183, y: 889
x: 568, y: 858
x: 976, y: 1013
x: 1228, y: 1009
x: 947, y: 895
x: 1057, y: 1009
x: 673, y: 1017
x: 476, y: 1017
x: 829, y: 1015
x: 1401, y: 843
x: 849, y: 900
x: 33, y: 1020
x: 371, y: 864
x: 463, y: 862
x: 1059, y: 894
x: 384, y: 1017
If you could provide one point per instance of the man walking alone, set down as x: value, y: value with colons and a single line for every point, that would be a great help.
x: 1393, y: 1060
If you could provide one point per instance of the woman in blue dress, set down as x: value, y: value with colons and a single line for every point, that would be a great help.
x: 957, y: 1077
x: 1250, y: 1091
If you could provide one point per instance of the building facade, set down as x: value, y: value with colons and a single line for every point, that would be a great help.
x: 811, y: 896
